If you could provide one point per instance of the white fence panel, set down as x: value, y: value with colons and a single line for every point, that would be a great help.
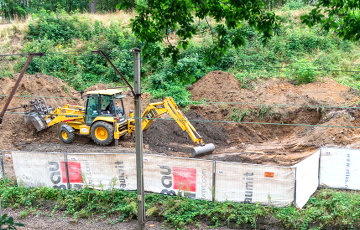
x: 307, y: 178
x: 269, y: 185
x: 340, y: 168
x: 103, y: 170
x: 173, y: 176
x: 33, y: 169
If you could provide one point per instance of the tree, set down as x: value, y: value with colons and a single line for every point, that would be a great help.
x: 92, y: 6
x: 342, y: 16
x: 158, y: 19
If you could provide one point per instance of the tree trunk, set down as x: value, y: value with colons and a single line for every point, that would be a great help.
x: 92, y: 6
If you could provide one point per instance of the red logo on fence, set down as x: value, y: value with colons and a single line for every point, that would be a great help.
x: 74, y: 172
x: 184, y: 179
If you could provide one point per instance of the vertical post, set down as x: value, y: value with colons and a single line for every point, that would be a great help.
x: 2, y: 165
x: 213, y: 181
x: 67, y: 170
x: 139, y: 141
x: 295, y: 185
x: 12, y: 93
x: 319, y: 170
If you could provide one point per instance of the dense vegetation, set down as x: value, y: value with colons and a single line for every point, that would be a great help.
x: 298, y: 53
x: 338, y: 209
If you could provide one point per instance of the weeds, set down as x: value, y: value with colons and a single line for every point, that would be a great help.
x: 238, y: 116
x: 264, y: 111
x: 326, y: 208
x: 7, y: 222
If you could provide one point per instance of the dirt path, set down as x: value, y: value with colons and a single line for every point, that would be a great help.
x: 59, y: 220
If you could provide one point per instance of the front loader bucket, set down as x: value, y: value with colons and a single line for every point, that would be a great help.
x: 203, y: 150
x: 36, y: 120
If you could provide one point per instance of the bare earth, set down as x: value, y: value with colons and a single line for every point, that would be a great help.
x: 269, y: 101
x: 59, y: 220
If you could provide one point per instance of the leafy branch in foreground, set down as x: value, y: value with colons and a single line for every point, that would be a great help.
x: 342, y: 16
x: 157, y: 20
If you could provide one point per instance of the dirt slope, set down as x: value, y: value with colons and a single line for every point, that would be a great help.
x: 269, y: 101
x: 278, y: 101
x: 13, y: 129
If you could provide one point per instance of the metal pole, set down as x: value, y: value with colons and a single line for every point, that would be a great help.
x: 67, y: 171
x: 31, y: 55
x: 139, y: 141
x: 2, y: 166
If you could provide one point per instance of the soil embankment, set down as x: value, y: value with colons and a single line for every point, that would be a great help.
x: 304, y: 118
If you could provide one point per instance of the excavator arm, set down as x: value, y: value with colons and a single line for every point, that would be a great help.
x: 168, y: 106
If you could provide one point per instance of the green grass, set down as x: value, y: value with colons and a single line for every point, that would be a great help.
x: 327, y: 208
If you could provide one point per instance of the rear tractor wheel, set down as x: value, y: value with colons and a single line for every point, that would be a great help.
x: 66, y: 134
x: 102, y: 133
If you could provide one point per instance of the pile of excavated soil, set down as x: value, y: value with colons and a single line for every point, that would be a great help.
x: 56, y: 93
x: 216, y: 86
x: 278, y: 101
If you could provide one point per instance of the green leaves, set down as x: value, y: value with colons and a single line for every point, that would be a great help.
x: 342, y: 16
x: 160, y: 20
x: 7, y: 223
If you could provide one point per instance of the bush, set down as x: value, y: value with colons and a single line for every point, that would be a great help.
x: 160, y: 87
x: 58, y: 27
x: 62, y: 32
x: 294, y: 4
x: 302, y: 72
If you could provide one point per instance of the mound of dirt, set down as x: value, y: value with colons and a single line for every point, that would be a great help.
x: 278, y: 101
x: 56, y: 93
x: 215, y: 86
x: 97, y: 87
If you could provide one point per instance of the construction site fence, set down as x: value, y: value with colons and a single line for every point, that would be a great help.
x: 194, y: 178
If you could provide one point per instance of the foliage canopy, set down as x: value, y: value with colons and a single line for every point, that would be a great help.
x: 342, y: 16
x: 158, y: 19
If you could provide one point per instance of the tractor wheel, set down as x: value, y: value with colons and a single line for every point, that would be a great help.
x: 66, y: 134
x: 102, y: 133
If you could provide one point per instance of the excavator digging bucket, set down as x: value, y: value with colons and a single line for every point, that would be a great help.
x: 203, y: 150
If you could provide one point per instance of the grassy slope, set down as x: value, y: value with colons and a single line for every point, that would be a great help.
x: 296, y: 47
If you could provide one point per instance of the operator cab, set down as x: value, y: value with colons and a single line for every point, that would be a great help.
x: 108, y: 103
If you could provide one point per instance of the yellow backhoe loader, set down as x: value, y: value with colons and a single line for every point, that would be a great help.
x: 103, y: 119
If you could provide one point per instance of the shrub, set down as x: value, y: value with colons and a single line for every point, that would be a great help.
x: 294, y: 4
x: 59, y: 27
x: 302, y: 72
x: 160, y: 87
